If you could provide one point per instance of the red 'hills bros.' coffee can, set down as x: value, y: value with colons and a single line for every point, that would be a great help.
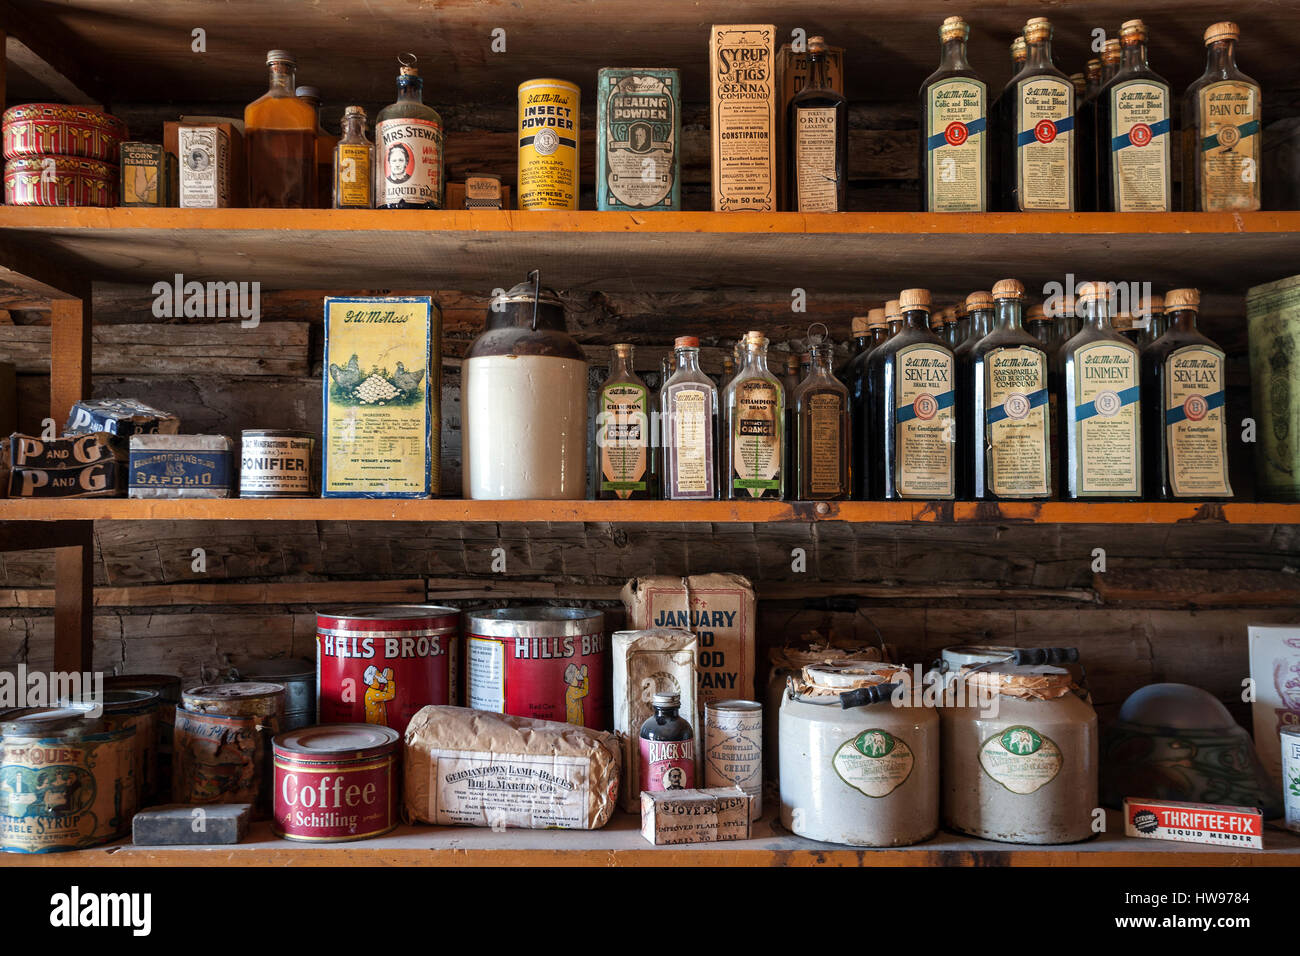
x: 548, y: 663
x: 335, y: 782
x: 380, y: 665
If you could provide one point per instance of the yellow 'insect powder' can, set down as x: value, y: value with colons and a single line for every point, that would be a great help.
x: 548, y: 144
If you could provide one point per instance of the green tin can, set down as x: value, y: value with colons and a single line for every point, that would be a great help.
x: 1273, y: 319
x: 638, y: 138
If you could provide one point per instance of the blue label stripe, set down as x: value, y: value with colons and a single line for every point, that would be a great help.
x: 1027, y: 136
x: 908, y: 412
x: 1245, y: 129
x: 1157, y: 129
x: 1175, y: 415
x: 1089, y: 409
x: 995, y: 415
x: 972, y: 128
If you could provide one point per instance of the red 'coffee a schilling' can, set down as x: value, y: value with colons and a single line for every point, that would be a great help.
x: 335, y: 782
x: 549, y: 663
x: 380, y: 665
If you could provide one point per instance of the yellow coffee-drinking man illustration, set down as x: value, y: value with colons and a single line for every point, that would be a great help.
x: 576, y: 678
x: 380, y: 688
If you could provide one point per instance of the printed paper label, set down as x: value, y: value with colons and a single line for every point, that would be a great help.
x: 815, y: 179
x: 1195, y: 439
x: 1229, y: 148
x: 514, y: 790
x: 410, y: 154
x: 352, y: 174
x: 624, y: 425
x: 923, y: 423
x: 690, y: 437
x: 956, y: 134
x: 824, y: 416
x: 875, y: 762
x: 1139, y: 147
x: 1021, y: 759
x: 756, y: 455
x: 1107, y: 450
x: 1016, y: 423
x: 1045, y: 144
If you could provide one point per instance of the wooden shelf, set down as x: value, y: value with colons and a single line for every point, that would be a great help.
x: 642, y: 252
x: 621, y: 844
x: 643, y: 512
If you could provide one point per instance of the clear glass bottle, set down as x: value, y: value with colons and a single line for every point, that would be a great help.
x: 280, y: 142
x: 979, y: 307
x: 325, y: 143
x: 666, y: 747
x: 954, y: 120
x: 821, y: 431
x: 728, y: 370
x: 409, y: 163
x: 354, y: 163
x: 818, y: 140
x: 688, y: 404
x: 623, y: 444
x: 1222, y: 123
x: 1100, y: 405
x: 1036, y: 125
x: 1010, y: 451
x: 910, y: 394
x: 1184, y: 428
x: 754, y: 422
x: 1134, y: 129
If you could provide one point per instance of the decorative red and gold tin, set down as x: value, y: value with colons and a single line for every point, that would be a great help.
x: 55, y: 129
x: 380, y: 665
x: 335, y: 782
x: 60, y: 181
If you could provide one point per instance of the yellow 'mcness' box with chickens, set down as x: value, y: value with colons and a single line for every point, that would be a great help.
x: 383, y: 362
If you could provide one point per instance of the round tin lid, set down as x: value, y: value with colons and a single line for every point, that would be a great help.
x: 391, y: 612
x: 129, y: 701
x: 275, y: 433
x: 733, y: 706
x: 276, y: 670
x: 338, y: 741
x: 240, y: 690
x: 540, y: 621
x: 44, y: 721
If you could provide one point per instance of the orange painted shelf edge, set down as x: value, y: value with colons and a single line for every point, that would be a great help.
x: 645, y: 512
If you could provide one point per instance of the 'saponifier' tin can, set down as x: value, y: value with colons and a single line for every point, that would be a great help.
x: 277, y: 464
x: 137, y: 709
x: 1291, y: 776
x: 65, y: 780
x: 336, y: 782
x: 297, y: 677
x: 733, y: 748
x: 548, y: 144
x: 548, y: 663
x: 380, y: 665
x: 168, y: 688
x: 223, y: 744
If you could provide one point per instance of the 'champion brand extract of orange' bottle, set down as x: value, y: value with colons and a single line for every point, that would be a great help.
x: 755, y: 428
x: 280, y: 141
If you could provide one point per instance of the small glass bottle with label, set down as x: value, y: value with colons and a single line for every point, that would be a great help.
x: 755, y: 428
x: 821, y: 431
x: 409, y: 167
x: 354, y: 160
x: 667, y: 747
x: 979, y: 308
x: 1134, y: 118
x: 1012, y: 428
x: 910, y: 395
x: 954, y: 122
x: 818, y: 140
x: 1222, y: 128
x: 623, y: 445
x: 1183, y: 412
x: 1035, y: 122
x: 1100, y: 405
x: 689, y: 422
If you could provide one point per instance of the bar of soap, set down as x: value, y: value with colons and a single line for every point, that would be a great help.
x: 183, y: 824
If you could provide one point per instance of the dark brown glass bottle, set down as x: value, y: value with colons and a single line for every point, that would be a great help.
x: 818, y: 140
x: 997, y: 157
x: 979, y: 306
x: 1100, y: 406
x: 859, y: 420
x: 1040, y: 327
x: 1183, y: 413
x: 1010, y: 451
x: 1092, y: 78
x: 666, y: 747
x: 624, y: 448
x: 861, y: 341
x: 894, y: 317
x: 1157, y: 326
x: 910, y: 394
x: 821, y: 431
x: 1134, y: 132
x: 790, y: 381
x: 1035, y: 125
x: 1222, y: 131
x: 954, y: 159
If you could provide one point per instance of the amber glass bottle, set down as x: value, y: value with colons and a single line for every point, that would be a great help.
x: 821, y: 431
x: 1010, y: 451
x: 910, y: 394
x: 354, y: 161
x: 280, y: 142
x: 818, y: 144
x: 954, y: 160
x: 325, y: 143
x: 754, y: 426
x: 1100, y: 405
x: 1222, y: 131
x: 623, y: 448
x: 1183, y: 413
x: 1134, y: 130
x: 980, y: 308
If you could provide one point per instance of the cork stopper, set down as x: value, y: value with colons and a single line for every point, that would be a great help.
x: 355, y: 111
x: 1038, y: 29
x: 1080, y: 83
x: 1035, y: 313
x: 893, y: 310
x: 406, y: 63
x: 1091, y: 291
x: 876, y: 319
x: 1093, y: 69
x: 1182, y: 299
x: 686, y: 342
x: 1111, y: 52
x: 936, y: 320
x: 1133, y: 30
x: 622, y: 350
x: 949, y: 315
x: 954, y: 28
x: 817, y: 45
x: 1226, y: 30
x: 280, y: 56
x: 754, y: 339
x: 1004, y: 289
x: 983, y: 301
x: 913, y: 299
x: 792, y: 363
x: 805, y: 358
x: 1019, y: 50
x: 860, y: 325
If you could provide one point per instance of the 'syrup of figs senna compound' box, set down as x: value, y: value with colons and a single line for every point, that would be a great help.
x: 742, y: 116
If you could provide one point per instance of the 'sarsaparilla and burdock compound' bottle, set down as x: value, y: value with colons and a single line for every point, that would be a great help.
x: 280, y: 142
x: 1099, y: 385
x: 1009, y: 412
x: 821, y: 431
x: 1221, y: 131
x: 689, y: 422
x: 954, y: 129
x: 623, y: 430
x: 910, y: 395
x: 409, y: 171
x: 818, y: 148
x: 667, y: 747
x: 1134, y: 116
x: 1184, y: 429
x: 754, y: 427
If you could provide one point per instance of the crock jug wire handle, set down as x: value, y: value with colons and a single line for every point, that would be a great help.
x: 536, y: 276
